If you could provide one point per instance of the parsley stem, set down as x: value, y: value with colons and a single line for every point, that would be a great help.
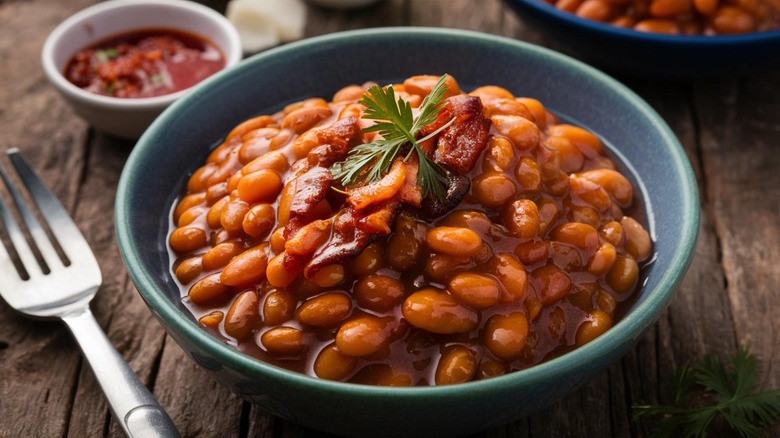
x: 436, y: 132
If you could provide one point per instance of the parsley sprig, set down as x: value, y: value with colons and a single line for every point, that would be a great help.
x: 396, y: 124
x: 731, y: 394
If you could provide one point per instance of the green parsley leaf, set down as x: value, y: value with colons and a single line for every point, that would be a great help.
x: 396, y: 124
x: 158, y: 80
x: 731, y: 393
x: 106, y: 55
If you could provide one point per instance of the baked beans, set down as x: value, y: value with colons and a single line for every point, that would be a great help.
x: 541, y: 253
x: 680, y: 17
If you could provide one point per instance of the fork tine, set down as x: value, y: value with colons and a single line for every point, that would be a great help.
x: 7, y: 269
x: 61, y: 225
x: 15, y: 233
x: 49, y: 254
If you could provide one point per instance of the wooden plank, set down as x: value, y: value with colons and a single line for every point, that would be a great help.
x: 739, y: 138
x: 40, y: 364
x: 198, y: 405
x: 34, y: 117
x: 320, y: 21
x: 459, y: 14
x: 691, y: 327
x: 740, y: 141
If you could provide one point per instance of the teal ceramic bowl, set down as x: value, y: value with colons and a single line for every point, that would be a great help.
x: 180, y: 139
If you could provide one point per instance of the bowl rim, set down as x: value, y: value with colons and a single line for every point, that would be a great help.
x: 703, y: 41
x: 628, y: 329
x: 232, y: 52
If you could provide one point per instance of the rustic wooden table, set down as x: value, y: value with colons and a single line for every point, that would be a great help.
x: 730, y: 129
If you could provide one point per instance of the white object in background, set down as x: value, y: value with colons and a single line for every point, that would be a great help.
x: 265, y: 23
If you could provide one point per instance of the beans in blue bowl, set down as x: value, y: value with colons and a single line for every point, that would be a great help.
x: 412, y: 234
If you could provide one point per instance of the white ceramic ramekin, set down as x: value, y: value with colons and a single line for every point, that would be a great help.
x: 125, y: 117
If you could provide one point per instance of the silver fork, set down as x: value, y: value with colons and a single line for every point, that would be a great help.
x: 62, y: 289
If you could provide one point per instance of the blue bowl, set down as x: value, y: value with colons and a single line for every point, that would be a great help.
x: 627, y: 51
x: 179, y: 140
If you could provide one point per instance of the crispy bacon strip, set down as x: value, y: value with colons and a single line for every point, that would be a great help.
x: 346, y: 240
x: 378, y: 221
x: 372, y: 208
x: 310, y: 188
x: 351, y: 232
x: 460, y: 144
x: 308, y: 238
x: 379, y: 191
x: 410, y: 192
x: 293, y: 264
x: 327, y: 154
x: 335, y: 142
x: 446, y: 113
x: 345, y: 130
x: 457, y: 188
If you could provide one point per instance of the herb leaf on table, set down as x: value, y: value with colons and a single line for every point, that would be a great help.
x: 708, y: 391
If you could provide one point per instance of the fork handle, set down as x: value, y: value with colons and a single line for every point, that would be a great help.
x: 134, y: 406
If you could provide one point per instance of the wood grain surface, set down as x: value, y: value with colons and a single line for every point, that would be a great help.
x: 729, y: 127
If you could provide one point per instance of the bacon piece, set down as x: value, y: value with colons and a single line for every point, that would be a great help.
x: 333, y: 142
x: 308, y: 238
x: 378, y: 221
x: 410, y: 192
x: 457, y: 188
x: 346, y: 240
x: 345, y: 130
x: 371, y: 209
x: 310, y: 188
x: 446, y: 113
x: 293, y: 264
x: 460, y: 144
x: 351, y: 232
x: 379, y: 191
x: 327, y: 154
